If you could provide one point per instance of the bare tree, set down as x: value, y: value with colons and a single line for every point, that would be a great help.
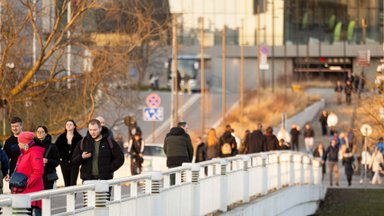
x: 35, y: 82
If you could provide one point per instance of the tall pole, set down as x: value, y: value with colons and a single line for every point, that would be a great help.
x: 241, y: 71
x: 174, y: 86
x: 34, y: 38
x: 1, y: 54
x: 223, y: 73
x: 365, y: 164
x: 202, y: 78
x: 273, y: 46
x: 69, y: 47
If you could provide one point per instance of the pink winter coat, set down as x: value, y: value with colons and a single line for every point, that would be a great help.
x: 30, y: 163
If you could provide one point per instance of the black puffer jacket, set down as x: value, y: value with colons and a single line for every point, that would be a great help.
x: 227, y: 138
x: 256, y: 142
x: 272, y: 142
x: 51, y: 153
x: 178, y: 147
x: 111, y: 158
x: 65, y: 150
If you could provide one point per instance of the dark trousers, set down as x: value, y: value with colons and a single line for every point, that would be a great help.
x: 48, y: 184
x: 70, y: 173
x: 324, y: 129
x: 348, y: 98
x: 295, y: 145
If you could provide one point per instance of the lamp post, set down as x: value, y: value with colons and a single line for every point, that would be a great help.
x: 366, y: 131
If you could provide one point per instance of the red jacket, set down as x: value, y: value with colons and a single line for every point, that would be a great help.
x: 30, y: 163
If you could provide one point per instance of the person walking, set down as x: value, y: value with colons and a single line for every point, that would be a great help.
x: 213, y: 144
x: 256, y: 141
x: 365, y: 162
x: 332, y: 154
x: 30, y: 163
x: 227, y: 143
x: 339, y: 90
x: 380, y: 145
x: 323, y: 123
x: 135, y: 150
x: 319, y: 153
x: 348, y: 160
x: 98, y: 154
x: 66, y: 143
x: 348, y: 92
x: 201, y: 154
x: 11, y: 145
x: 295, y: 133
x: 272, y: 143
x: 309, y: 135
x: 4, y: 166
x: 377, y: 159
x: 51, y: 156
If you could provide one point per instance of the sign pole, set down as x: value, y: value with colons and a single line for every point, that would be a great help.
x: 153, y: 131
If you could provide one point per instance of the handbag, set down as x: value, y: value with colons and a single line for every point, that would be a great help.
x: 18, y: 182
x: 52, y: 176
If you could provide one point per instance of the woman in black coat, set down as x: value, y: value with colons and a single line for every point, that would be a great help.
x: 201, y: 153
x: 66, y: 143
x: 51, y: 155
x: 348, y: 160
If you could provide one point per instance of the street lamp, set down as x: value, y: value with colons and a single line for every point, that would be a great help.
x: 366, y: 131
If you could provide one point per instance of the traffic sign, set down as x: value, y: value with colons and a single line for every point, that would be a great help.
x: 153, y: 100
x: 366, y: 130
x: 153, y: 114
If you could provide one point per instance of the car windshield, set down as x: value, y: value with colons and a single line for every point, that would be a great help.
x: 153, y: 151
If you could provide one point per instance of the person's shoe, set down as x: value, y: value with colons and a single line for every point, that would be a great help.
x: 361, y: 181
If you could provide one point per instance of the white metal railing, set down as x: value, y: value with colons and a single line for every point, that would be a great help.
x: 192, y: 189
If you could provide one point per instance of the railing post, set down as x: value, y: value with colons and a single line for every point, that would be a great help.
x: 246, y: 164
x: 155, y: 188
x: 194, y: 179
x: 223, y: 185
x: 302, y: 170
x: 21, y: 204
x: 98, y: 198
x: 279, y: 176
x: 292, y: 169
x: 264, y: 177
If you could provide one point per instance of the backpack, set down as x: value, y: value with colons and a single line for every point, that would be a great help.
x: 109, y: 140
x: 226, y: 149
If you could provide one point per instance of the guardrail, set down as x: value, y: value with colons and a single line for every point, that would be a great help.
x: 192, y: 189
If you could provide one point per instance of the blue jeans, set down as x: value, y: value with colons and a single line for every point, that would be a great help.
x: 363, y: 171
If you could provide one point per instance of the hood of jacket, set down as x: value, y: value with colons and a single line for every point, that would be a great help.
x: 227, y: 135
x: 176, y: 131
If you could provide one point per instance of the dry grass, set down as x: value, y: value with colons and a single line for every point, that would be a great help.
x: 266, y: 107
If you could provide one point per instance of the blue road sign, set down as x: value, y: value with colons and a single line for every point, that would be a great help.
x: 153, y: 114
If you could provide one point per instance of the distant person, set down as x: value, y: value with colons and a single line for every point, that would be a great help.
x: 348, y: 160
x: 319, y: 153
x: 135, y: 149
x: 11, y: 145
x: 178, y: 146
x: 295, y: 133
x: 105, y: 129
x: 332, y: 155
x: 51, y: 156
x: 323, y: 122
x: 283, y: 145
x: 30, y: 163
x: 66, y: 143
x: 339, y: 90
x: 309, y: 135
x: 201, y: 154
x: 256, y: 141
x: 98, y: 154
x: 154, y: 81
x: 212, y: 144
x: 348, y: 90
x: 4, y: 166
x: 272, y: 143
x: 134, y: 128
x: 377, y: 159
x: 360, y: 84
x: 238, y: 142
x: 227, y: 143
x: 350, y: 78
x: 244, y: 141
x: 380, y: 145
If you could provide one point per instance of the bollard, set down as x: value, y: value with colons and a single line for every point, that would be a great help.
x: 21, y: 204
x: 99, y: 197
x: 156, y: 195
x: 246, y: 162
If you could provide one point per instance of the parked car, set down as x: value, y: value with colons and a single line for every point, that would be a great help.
x: 154, y: 157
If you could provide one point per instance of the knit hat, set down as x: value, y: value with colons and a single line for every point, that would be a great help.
x: 26, y: 137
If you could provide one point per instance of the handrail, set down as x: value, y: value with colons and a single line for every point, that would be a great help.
x: 60, y: 191
x: 130, y: 178
x: 5, y: 201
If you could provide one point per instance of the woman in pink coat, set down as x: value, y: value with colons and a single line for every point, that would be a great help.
x: 30, y: 163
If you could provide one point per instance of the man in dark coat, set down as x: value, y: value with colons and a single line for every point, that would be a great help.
x: 98, y: 154
x: 227, y: 143
x: 271, y: 140
x: 256, y: 141
x: 178, y: 146
x: 11, y: 145
x: 201, y: 153
x: 295, y: 133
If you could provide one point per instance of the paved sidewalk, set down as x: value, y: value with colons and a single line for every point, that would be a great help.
x: 344, y: 113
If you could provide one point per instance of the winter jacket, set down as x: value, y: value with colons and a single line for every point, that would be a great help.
x: 332, y: 154
x: 65, y: 150
x: 110, y: 159
x: 227, y: 138
x: 178, y: 147
x: 272, y: 142
x: 348, y: 164
x: 377, y: 159
x: 380, y: 146
x: 11, y: 148
x: 30, y: 163
x: 256, y: 142
x: 201, y: 154
x: 309, y: 132
x: 294, y: 135
x: 52, y: 156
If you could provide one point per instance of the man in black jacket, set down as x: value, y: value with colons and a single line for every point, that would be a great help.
x: 98, y: 154
x: 11, y: 145
x: 332, y: 154
x: 256, y: 141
